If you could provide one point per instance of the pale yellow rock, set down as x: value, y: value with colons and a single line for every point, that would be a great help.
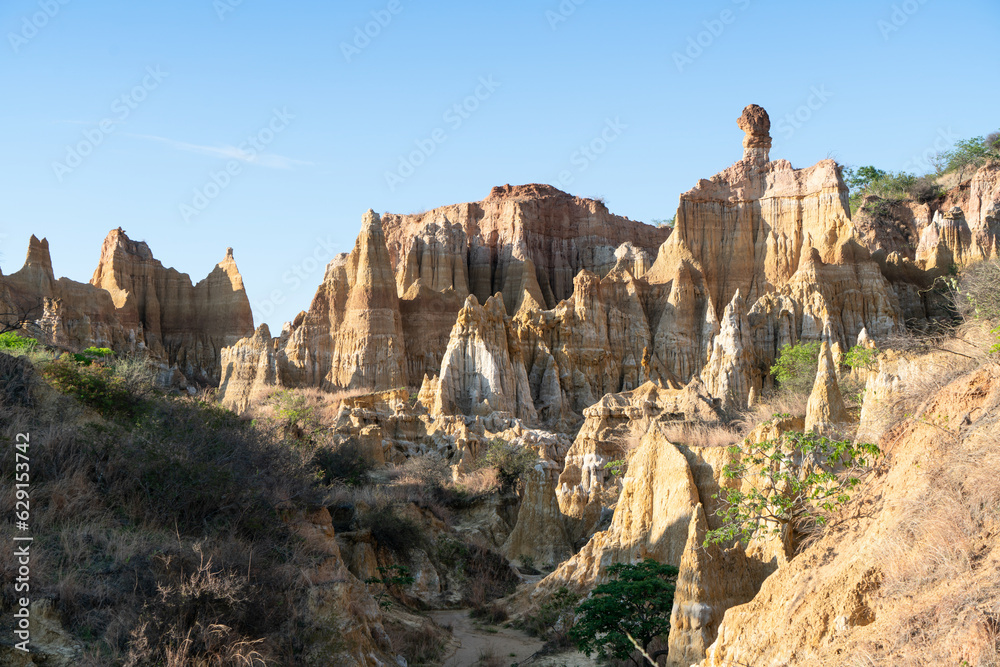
x: 711, y: 580
x: 483, y: 365
x: 352, y: 336
x: 650, y: 520
x: 825, y: 411
x: 540, y: 531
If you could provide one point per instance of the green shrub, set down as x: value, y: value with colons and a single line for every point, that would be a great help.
x: 11, y: 341
x: 95, y: 386
x: 973, y: 152
x: 862, y: 357
x: 635, y: 603
x: 511, y: 461
x: 92, y: 355
x: 797, y: 479
x: 554, y: 619
x: 294, y: 410
x: 795, y: 369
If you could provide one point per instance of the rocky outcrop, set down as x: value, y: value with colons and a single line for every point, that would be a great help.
x: 350, y: 338
x: 135, y: 303
x: 526, y: 242
x: 730, y: 373
x: 825, y: 411
x: 345, y: 622
x: 540, y: 532
x: 530, y: 239
x: 884, y: 584
x: 612, y: 430
x: 185, y: 324
x: 915, y: 242
x: 760, y: 227
x: 650, y: 521
x: 589, y: 345
x: 482, y: 371
x: 711, y: 580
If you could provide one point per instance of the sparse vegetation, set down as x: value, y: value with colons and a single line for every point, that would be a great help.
x: 164, y: 542
x: 797, y: 481
x: 973, y: 152
x: 554, y: 619
x: 875, y: 190
x: 511, y: 462
x: 795, y: 368
x: 979, y: 297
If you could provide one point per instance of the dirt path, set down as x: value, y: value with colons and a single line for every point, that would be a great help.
x: 506, y: 644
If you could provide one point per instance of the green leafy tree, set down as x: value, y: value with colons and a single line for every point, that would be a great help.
x: 511, y: 462
x: 637, y: 601
x: 860, y: 356
x: 795, y: 369
x: 973, y: 152
x: 799, y: 478
x: 862, y: 177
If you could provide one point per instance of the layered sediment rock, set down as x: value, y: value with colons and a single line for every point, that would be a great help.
x: 825, y: 411
x: 350, y: 338
x: 923, y: 548
x: 133, y: 302
x: 780, y: 237
x: 185, y: 324
x: 612, y: 429
x: 483, y: 371
x: 528, y: 238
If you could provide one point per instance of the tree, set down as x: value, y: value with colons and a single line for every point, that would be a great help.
x: 796, y: 479
x: 18, y: 312
x: 862, y: 177
x: 795, y: 369
x: 511, y: 461
x: 637, y: 601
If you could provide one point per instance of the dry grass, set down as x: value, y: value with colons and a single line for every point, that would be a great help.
x: 423, y: 645
x: 911, y: 377
x: 941, y: 584
x: 701, y: 435
x: 162, y: 541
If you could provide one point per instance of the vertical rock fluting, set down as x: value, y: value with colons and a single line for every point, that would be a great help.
x: 782, y: 239
x: 186, y: 324
x: 350, y: 338
x: 134, y: 302
x: 711, y: 580
x: 483, y: 371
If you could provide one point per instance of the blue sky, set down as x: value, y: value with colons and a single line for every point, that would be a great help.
x: 287, y: 135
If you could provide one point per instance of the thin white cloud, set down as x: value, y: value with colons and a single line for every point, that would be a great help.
x: 261, y: 159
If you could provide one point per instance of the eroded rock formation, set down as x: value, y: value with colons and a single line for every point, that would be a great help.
x: 350, y: 338
x: 135, y: 303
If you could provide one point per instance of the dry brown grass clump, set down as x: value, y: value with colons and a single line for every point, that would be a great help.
x: 701, y: 434
x: 160, y: 533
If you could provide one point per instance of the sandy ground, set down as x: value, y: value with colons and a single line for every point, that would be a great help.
x: 507, y: 645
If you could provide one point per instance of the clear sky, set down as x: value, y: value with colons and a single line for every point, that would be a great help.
x: 116, y: 112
